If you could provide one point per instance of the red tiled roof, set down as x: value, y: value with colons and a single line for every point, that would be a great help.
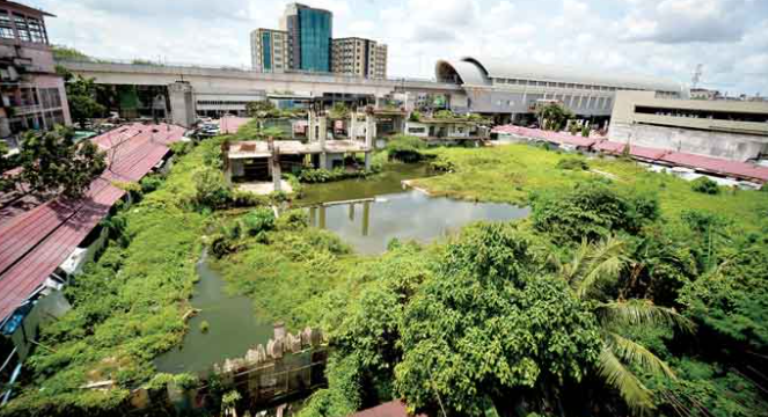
x: 391, y: 409
x: 34, y: 243
x: 554, y: 137
x: 717, y: 166
x: 230, y: 124
x: 641, y: 152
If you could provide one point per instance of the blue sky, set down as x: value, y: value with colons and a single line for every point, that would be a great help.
x: 665, y: 38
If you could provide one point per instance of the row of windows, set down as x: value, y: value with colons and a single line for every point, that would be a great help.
x: 222, y: 103
x: 551, y: 84
x: 18, y: 26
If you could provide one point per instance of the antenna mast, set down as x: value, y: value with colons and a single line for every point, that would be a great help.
x: 697, y: 75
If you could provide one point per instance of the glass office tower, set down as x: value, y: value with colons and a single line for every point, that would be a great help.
x: 310, y: 31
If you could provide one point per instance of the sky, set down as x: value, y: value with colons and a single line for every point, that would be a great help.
x: 664, y: 38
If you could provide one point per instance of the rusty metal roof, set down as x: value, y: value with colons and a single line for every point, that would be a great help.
x: 35, y: 242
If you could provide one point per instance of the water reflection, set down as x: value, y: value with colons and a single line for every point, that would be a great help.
x: 369, y: 224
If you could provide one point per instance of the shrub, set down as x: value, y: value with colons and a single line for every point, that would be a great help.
x: 415, y: 116
x: 575, y: 164
x: 204, y: 326
x: 406, y: 148
x: 592, y: 210
x: 258, y: 221
x: 443, y: 165
x: 182, y: 148
x: 242, y: 199
x: 293, y: 220
x: 151, y: 183
x: 585, y: 131
x: 705, y: 185
x: 211, y: 189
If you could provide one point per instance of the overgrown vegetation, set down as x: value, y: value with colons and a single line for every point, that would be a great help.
x: 624, y: 293
x: 127, y: 308
x: 405, y: 148
x: 553, y: 116
x: 705, y: 185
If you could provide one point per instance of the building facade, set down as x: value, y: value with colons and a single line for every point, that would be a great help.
x: 270, y: 50
x: 32, y: 94
x: 309, y: 36
x: 359, y: 57
x: 736, y: 130
x: 510, y: 92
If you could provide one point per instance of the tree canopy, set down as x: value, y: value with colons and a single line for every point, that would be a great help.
x: 81, y: 95
x: 52, y: 162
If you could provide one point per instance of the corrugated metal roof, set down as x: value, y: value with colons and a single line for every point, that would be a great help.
x: 641, y: 152
x: 230, y: 124
x: 554, y: 137
x: 34, y: 243
x: 736, y: 169
x: 391, y: 409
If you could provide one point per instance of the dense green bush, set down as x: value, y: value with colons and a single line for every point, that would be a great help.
x: 211, y: 189
x: 406, y: 148
x: 315, y: 176
x: 705, y: 185
x: 572, y: 163
x: 182, y: 148
x: 151, y: 183
x: 592, y: 210
x: 259, y: 221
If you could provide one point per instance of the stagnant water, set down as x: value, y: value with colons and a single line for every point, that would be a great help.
x: 233, y: 327
x: 387, y: 212
x: 369, y: 225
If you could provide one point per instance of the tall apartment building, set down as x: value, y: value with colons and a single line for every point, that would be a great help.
x: 359, y: 57
x: 270, y: 50
x: 32, y: 94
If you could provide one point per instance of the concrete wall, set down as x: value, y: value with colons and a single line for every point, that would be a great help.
x: 730, y: 139
x: 732, y: 146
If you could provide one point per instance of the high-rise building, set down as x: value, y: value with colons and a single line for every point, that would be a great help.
x: 32, y: 94
x: 359, y: 57
x: 270, y: 51
x: 309, y: 37
x: 304, y: 43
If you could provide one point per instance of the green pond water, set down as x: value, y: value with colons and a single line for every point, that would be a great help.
x: 233, y: 327
x: 383, y: 211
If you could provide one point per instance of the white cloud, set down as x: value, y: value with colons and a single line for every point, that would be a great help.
x: 665, y: 38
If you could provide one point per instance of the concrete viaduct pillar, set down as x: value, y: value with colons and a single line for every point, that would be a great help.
x: 182, y: 104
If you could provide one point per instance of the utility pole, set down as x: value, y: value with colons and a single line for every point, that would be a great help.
x: 697, y: 75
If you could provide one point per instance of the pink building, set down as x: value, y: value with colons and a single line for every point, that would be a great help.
x: 32, y: 95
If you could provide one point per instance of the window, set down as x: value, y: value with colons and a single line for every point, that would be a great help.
x: 36, y: 30
x: 21, y: 28
x: 6, y: 27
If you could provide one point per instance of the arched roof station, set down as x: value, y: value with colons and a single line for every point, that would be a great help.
x: 471, y: 71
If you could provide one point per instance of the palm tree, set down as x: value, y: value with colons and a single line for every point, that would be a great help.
x: 603, y: 262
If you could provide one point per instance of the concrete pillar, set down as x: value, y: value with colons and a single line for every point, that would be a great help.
x: 322, y: 217
x: 370, y: 130
x: 353, y: 126
x: 276, y: 174
x: 311, y: 128
x: 351, y: 212
x: 182, y: 103
x: 368, y: 161
x: 366, y: 217
x: 322, y: 123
